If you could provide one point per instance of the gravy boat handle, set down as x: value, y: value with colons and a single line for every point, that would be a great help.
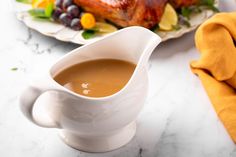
x: 27, y: 101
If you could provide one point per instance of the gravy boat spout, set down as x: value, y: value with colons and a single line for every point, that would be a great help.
x: 96, y: 124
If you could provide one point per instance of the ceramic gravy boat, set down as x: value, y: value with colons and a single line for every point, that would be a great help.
x: 96, y: 124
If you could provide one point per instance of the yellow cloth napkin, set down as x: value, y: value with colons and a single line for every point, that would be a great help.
x: 216, y: 67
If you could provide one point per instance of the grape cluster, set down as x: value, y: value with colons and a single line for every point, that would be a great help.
x: 67, y: 13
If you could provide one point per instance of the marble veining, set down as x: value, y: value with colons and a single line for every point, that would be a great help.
x: 177, y: 120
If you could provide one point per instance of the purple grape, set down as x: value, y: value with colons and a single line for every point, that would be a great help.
x: 66, y: 4
x: 58, y: 3
x: 73, y: 10
x: 56, y: 14
x: 65, y: 19
x: 75, y: 24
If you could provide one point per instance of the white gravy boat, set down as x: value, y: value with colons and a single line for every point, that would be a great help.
x: 96, y: 124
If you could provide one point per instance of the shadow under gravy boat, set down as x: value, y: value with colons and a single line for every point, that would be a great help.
x: 96, y: 124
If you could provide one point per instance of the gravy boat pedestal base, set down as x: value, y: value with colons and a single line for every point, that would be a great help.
x: 102, y: 143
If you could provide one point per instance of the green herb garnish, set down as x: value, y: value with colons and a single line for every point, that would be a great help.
x: 207, y: 2
x: 88, y: 34
x: 14, y: 69
x: 155, y: 28
x: 186, y: 12
x: 213, y: 8
x: 25, y: 1
x: 49, y: 9
x: 186, y: 23
x: 37, y: 12
x: 210, y: 4
x: 42, y: 13
x: 176, y: 27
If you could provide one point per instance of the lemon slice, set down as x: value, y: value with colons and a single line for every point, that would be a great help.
x: 104, y: 27
x: 168, y: 19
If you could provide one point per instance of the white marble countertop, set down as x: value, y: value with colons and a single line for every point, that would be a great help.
x: 178, y: 119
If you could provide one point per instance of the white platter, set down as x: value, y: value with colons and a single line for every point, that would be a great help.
x: 62, y: 33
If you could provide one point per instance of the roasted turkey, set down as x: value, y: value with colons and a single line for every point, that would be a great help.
x: 183, y: 3
x: 146, y: 13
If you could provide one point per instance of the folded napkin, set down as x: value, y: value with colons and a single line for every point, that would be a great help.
x: 216, y: 68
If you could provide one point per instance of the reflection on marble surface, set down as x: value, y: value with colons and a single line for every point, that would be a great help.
x: 177, y: 121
